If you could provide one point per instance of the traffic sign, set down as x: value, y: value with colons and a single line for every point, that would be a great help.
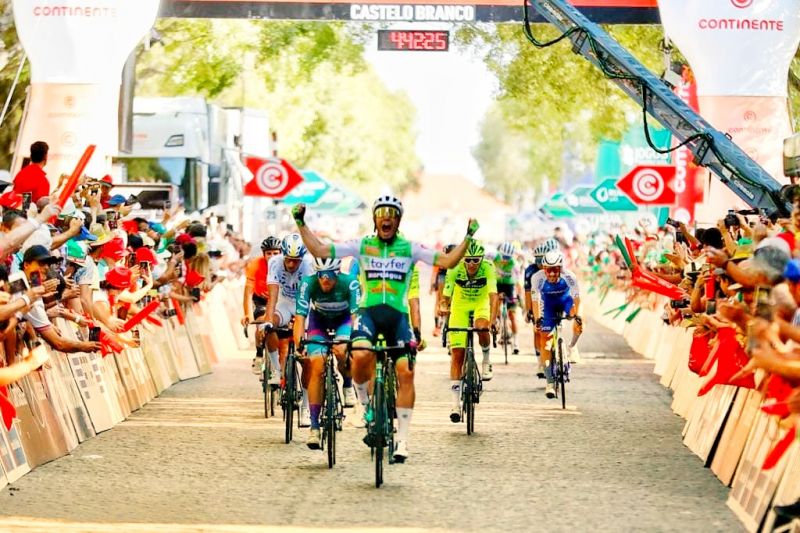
x: 649, y: 185
x: 557, y: 207
x: 580, y: 201
x: 610, y: 198
x: 310, y: 191
x: 272, y: 177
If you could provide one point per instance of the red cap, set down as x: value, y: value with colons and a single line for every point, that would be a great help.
x: 119, y: 278
x: 107, y: 180
x: 184, y: 238
x: 786, y: 236
x: 145, y: 254
x: 193, y: 277
x: 130, y: 226
x: 11, y: 200
x: 114, y: 249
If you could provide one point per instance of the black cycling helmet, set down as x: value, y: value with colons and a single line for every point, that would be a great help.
x: 270, y: 243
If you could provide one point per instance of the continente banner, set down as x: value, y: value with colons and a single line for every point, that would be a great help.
x: 740, y: 52
x: 77, y: 49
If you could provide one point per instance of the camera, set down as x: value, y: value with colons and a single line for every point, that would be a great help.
x: 26, y: 201
x: 678, y: 304
x: 764, y: 308
x: 168, y: 313
x: 731, y: 220
x: 195, y: 292
x: 94, y: 334
x: 674, y: 223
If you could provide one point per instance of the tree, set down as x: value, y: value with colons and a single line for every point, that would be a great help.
x: 11, y: 53
x: 553, y: 98
x: 332, y: 112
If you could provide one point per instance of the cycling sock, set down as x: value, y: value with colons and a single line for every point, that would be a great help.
x: 363, y: 393
x: 436, y: 321
x: 514, y: 340
x: 455, y: 388
x: 485, y: 353
x: 305, y: 398
x: 548, y: 373
x: 403, y: 422
x: 259, y: 351
x: 276, y: 362
x: 314, y: 410
x: 347, y: 382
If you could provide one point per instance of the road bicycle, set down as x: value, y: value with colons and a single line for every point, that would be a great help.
x: 505, y: 330
x: 471, y: 384
x: 381, y: 410
x: 332, y: 412
x: 559, y: 364
x: 291, y: 394
x: 270, y: 392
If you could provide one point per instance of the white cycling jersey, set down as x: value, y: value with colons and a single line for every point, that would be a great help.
x: 289, y: 282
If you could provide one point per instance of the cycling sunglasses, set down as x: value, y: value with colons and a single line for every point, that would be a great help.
x: 387, y: 212
x: 553, y: 270
x: 327, y: 274
x: 472, y: 260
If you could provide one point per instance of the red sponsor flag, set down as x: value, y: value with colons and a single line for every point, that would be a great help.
x: 688, y: 190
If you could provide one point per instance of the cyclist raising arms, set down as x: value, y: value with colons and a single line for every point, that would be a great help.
x: 329, y: 300
x: 508, y: 285
x: 438, y: 276
x: 386, y: 260
x: 549, y: 245
x: 256, y: 293
x: 470, y: 288
x: 554, y: 291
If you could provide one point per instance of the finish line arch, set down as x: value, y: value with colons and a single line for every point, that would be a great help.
x: 601, y: 11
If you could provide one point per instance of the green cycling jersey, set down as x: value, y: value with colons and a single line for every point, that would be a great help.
x: 385, y: 268
x: 340, y: 300
x: 507, y: 271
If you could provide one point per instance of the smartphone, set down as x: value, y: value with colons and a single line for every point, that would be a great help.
x: 144, y: 267
x: 764, y: 307
x: 26, y: 201
x: 17, y: 283
x: 135, y: 334
x: 36, y: 279
x: 94, y: 334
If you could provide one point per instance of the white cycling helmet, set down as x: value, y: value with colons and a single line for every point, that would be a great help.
x: 506, y: 249
x: 553, y: 258
x: 293, y: 247
x: 551, y: 244
x: 327, y: 264
x: 388, y: 201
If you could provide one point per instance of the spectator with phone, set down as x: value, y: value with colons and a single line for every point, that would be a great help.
x: 35, y: 266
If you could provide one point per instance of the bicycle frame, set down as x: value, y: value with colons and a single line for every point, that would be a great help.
x: 471, y: 384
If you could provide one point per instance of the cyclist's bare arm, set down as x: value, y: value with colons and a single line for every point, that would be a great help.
x: 299, y: 328
x: 314, y: 245
x: 528, y: 302
x: 247, y: 301
x: 451, y: 259
x: 273, y: 289
x: 494, y: 303
x: 414, y: 313
x: 444, y: 305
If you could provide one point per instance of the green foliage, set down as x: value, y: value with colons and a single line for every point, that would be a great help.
x: 331, y: 111
x: 552, y: 98
x: 11, y: 54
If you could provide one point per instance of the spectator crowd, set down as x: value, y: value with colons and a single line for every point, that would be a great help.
x: 99, y: 261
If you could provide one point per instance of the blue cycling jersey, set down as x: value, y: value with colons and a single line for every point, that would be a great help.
x: 553, y: 293
x: 530, y: 271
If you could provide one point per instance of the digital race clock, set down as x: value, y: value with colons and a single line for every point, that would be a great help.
x: 414, y: 40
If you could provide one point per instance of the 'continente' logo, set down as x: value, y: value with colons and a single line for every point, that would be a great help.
x: 741, y: 4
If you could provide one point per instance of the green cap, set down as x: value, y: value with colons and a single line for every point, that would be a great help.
x: 76, y: 253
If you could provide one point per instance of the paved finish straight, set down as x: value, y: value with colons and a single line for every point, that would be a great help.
x: 202, y: 454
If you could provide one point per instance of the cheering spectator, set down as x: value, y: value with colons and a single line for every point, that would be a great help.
x: 32, y: 179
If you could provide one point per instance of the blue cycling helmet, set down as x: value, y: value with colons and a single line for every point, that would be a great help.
x: 293, y: 247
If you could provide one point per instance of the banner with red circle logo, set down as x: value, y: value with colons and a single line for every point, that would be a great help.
x: 649, y: 185
x: 272, y: 177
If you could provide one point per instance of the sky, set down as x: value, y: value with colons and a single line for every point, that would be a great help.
x: 451, y: 91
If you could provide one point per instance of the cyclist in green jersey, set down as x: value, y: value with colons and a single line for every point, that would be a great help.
x: 469, y: 288
x: 508, y: 286
x: 327, y: 300
x: 386, y: 260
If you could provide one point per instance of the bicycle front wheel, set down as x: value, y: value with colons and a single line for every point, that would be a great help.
x: 330, y: 415
x: 290, y: 399
x: 469, y: 393
x: 561, y: 374
x: 379, y: 427
x: 506, y: 336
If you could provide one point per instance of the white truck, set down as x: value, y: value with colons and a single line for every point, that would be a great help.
x: 187, y: 150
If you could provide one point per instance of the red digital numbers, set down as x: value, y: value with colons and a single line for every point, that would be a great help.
x: 425, y: 40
